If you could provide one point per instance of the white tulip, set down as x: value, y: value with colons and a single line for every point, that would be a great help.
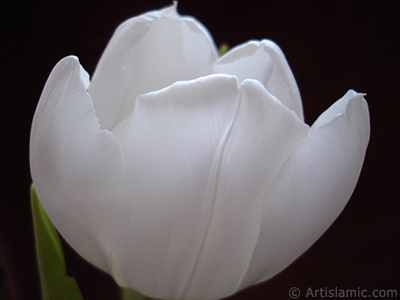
x: 185, y: 175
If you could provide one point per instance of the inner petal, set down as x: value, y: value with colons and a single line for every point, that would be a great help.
x: 166, y: 54
x: 146, y: 54
x: 263, y: 61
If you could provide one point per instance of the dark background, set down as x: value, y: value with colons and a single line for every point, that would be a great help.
x: 332, y: 46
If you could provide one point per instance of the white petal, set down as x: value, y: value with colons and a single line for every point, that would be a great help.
x: 148, y: 53
x: 338, y: 108
x: 312, y: 188
x: 199, y: 156
x: 76, y: 166
x: 265, y: 62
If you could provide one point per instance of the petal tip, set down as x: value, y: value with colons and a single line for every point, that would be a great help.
x: 351, y: 105
x: 74, y: 62
x: 171, y: 10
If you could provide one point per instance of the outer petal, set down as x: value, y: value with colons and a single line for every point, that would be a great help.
x: 265, y: 62
x: 312, y: 187
x: 199, y: 156
x: 148, y: 53
x: 76, y: 167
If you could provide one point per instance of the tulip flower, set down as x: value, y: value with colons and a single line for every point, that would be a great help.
x: 186, y: 175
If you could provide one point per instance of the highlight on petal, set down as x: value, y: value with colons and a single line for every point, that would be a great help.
x: 76, y: 167
x: 312, y: 187
x: 147, y: 53
x: 263, y: 61
x: 199, y: 155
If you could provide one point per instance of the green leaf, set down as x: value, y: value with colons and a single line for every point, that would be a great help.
x: 129, y: 294
x: 55, y: 283
x: 223, y: 48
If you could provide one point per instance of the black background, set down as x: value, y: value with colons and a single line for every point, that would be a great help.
x: 332, y: 46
